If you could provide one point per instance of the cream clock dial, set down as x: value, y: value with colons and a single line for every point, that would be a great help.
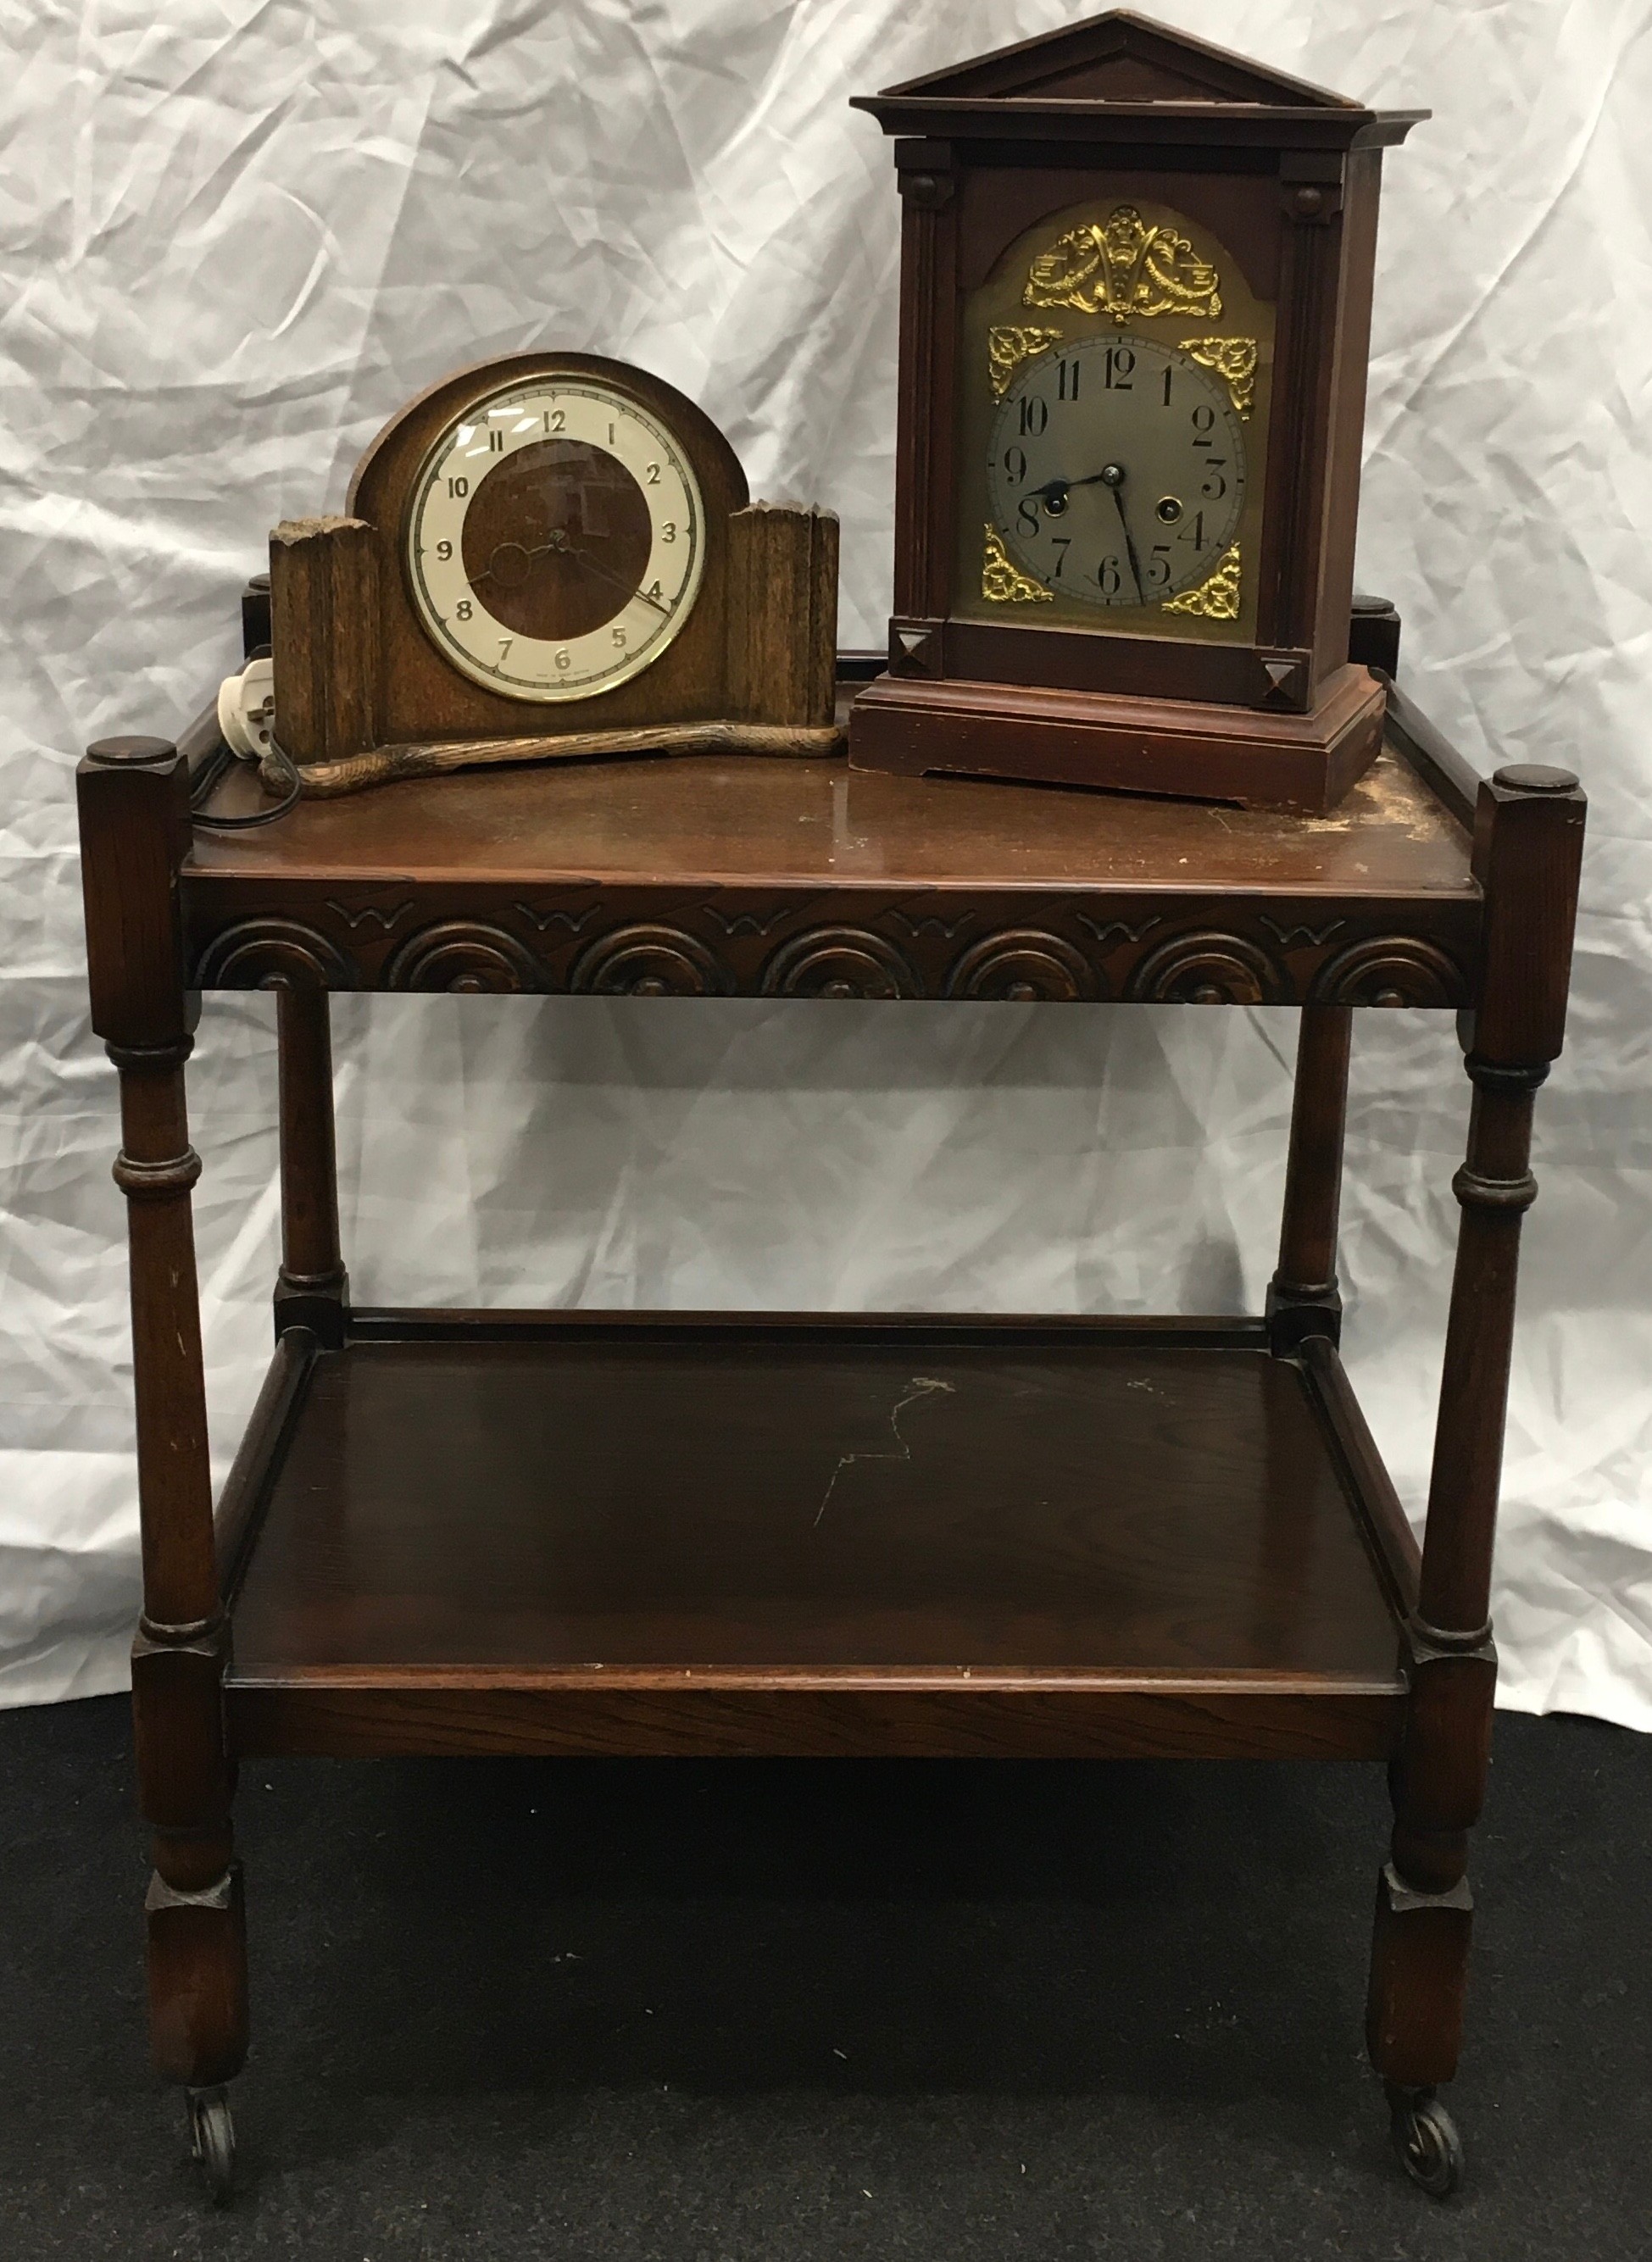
x: 556, y: 539
x: 1117, y: 471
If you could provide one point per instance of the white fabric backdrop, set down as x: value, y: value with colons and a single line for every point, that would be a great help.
x: 237, y: 238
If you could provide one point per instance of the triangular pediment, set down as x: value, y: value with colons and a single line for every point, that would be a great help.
x: 1117, y: 57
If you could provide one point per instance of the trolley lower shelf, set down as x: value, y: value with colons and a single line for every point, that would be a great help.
x: 639, y: 1533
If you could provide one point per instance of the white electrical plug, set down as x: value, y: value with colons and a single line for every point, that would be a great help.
x: 246, y: 709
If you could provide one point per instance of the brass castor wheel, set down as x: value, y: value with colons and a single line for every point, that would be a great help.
x: 1425, y: 2138
x: 212, y: 2139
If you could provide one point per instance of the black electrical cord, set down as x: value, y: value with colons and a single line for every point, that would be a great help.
x: 284, y: 764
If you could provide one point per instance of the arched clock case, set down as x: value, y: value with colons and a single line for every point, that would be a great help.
x: 546, y: 555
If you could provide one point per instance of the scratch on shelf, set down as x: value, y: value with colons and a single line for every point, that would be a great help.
x: 921, y: 1385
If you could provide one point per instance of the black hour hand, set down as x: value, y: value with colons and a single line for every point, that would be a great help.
x: 1053, y: 492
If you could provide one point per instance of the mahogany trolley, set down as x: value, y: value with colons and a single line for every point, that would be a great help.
x: 585, y: 1531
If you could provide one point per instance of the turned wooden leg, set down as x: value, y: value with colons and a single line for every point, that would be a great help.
x: 312, y: 1290
x: 1528, y: 840
x: 133, y: 805
x: 198, y: 1982
x: 1302, y: 1297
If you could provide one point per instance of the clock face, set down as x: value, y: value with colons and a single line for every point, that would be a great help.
x: 1116, y: 471
x: 556, y: 539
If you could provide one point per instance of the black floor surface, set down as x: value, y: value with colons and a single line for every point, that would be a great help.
x: 765, y: 2013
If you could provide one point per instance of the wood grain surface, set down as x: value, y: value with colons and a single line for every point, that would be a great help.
x: 782, y: 615
x: 807, y: 878
x: 656, y: 1512
x: 820, y: 826
x: 325, y: 596
x: 1117, y: 1716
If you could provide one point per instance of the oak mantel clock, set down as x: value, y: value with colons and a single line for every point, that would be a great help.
x: 547, y: 556
x: 1135, y: 296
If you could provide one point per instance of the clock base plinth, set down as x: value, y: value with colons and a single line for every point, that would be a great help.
x: 916, y: 726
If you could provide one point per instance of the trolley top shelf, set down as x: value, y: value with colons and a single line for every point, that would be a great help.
x: 705, y: 876
x: 709, y: 822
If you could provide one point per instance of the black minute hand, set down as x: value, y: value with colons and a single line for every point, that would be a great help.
x: 1113, y: 486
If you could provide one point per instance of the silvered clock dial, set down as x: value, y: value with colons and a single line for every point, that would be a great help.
x: 1116, y: 471
x: 555, y: 539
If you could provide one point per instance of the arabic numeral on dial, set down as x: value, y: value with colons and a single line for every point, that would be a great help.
x: 651, y: 476
x: 610, y: 435
x: 1109, y: 579
x: 1035, y: 415
x: 1063, y: 542
x: 495, y: 441
x: 1157, y: 574
x: 1194, y: 530
x: 1121, y: 369
x: 505, y: 643
x: 653, y: 590
x: 1215, y: 486
x: 555, y: 420
x: 565, y: 660
x: 1015, y: 463
x: 1204, y: 419
x: 1027, y: 514
x: 460, y: 486
x: 668, y: 531
x: 462, y: 610
x: 619, y: 639
x: 1170, y: 371
x: 444, y: 551
x: 1065, y: 391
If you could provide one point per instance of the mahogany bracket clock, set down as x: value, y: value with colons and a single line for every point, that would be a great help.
x: 545, y: 556
x: 1136, y: 298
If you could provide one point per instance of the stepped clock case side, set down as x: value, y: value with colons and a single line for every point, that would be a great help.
x: 355, y: 671
x: 1284, y: 177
